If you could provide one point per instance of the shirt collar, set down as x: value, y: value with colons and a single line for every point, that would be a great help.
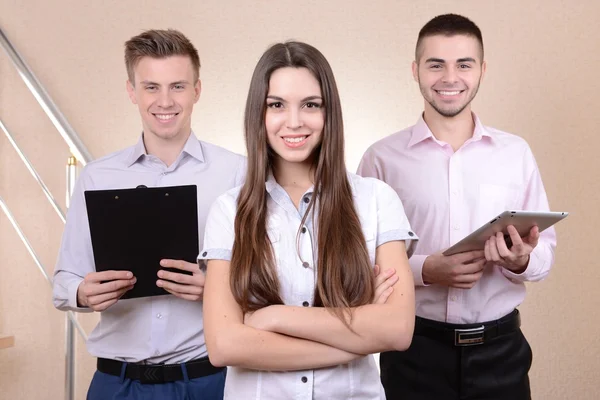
x: 421, y: 131
x: 480, y: 130
x: 192, y: 146
x: 137, y: 151
x: 271, y: 184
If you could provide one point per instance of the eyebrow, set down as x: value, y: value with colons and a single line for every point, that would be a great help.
x: 441, y: 61
x: 158, y: 84
x: 304, y: 99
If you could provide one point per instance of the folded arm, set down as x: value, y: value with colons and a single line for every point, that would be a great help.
x: 230, y: 342
x: 372, y: 328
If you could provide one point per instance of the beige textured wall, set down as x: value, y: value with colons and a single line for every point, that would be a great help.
x: 542, y: 83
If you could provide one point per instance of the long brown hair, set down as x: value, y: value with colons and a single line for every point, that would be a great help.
x: 344, y: 274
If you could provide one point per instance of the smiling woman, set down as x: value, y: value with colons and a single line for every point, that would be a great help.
x: 295, y: 117
x: 298, y: 243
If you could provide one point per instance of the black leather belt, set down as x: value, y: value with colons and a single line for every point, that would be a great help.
x: 469, y: 334
x: 158, y: 373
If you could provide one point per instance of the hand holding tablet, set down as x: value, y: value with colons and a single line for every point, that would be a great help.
x: 523, y: 222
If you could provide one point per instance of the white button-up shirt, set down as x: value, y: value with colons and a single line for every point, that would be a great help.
x: 382, y: 217
x: 160, y: 329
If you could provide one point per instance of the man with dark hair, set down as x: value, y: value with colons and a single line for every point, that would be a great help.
x: 453, y: 174
x: 152, y: 347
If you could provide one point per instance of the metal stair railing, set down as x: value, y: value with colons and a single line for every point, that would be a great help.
x: 81, y: 155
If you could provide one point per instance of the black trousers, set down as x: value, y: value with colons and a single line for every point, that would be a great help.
x: 436, y: 369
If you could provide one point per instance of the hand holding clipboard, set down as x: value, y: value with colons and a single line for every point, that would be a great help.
x: 132, y: 230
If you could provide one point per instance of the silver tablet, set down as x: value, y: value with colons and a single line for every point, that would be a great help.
x: 522, y: 220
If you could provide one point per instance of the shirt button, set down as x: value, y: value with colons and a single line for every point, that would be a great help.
x: 411, y: 234
x: 305, y: 304
x: 453, y: 298
x: 303, y: 230
x: 304, y: 379
x: 455, y: 227
x: 305, y: 264
x: 306, y: 200
x: 204, y: 254
x: 157, y: 353
x: 159, y: 316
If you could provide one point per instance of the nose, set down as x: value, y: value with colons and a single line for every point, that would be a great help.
x: 164, y: 99
x: 293, y: 119
x: 450, y: 75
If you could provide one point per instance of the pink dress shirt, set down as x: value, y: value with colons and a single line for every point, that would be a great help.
x: 447, y: 195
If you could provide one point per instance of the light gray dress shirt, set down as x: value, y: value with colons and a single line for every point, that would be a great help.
x: 160, y: 329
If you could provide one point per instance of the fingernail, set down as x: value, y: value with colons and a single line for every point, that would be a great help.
x: 159, y: 283
x: 162, y: 263
x: 129, y: 274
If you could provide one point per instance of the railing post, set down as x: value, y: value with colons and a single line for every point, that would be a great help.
x: 70, y: 327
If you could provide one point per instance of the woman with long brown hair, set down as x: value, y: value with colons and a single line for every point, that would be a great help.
x: 291, y: 300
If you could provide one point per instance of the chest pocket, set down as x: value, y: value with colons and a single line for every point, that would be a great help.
x: 494, y: 199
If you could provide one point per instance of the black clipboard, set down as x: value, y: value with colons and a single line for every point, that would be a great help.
x: 133, y: 229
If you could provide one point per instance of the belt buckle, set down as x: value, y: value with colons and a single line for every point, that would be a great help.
x: 469, y: 337
x: 151, y: 374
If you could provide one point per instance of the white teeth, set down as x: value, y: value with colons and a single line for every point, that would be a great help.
x: 294, y: 140
x: 444, y: 93
x: 164, y: 117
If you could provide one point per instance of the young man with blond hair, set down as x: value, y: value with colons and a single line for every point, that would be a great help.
x: 151, y: 347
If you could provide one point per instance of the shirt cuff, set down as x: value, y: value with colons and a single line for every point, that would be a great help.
x: 409, y: 237
x: 72, y: 296
x: 213, y: 254
x: 416, y: 265
x: 534, y: 264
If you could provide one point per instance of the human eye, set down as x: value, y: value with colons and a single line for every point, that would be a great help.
x: 275, y: 104
x: 464, y: 66
x: 151, y: 88
x: 313, y: 105
x: 179, y: 86
x: 435, y: 66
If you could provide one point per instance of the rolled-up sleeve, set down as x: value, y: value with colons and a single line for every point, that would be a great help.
x: 75, y: 257
x: 392, y: 223
x: 219, y: 233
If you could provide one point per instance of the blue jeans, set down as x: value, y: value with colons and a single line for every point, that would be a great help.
x: 110, y: 387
